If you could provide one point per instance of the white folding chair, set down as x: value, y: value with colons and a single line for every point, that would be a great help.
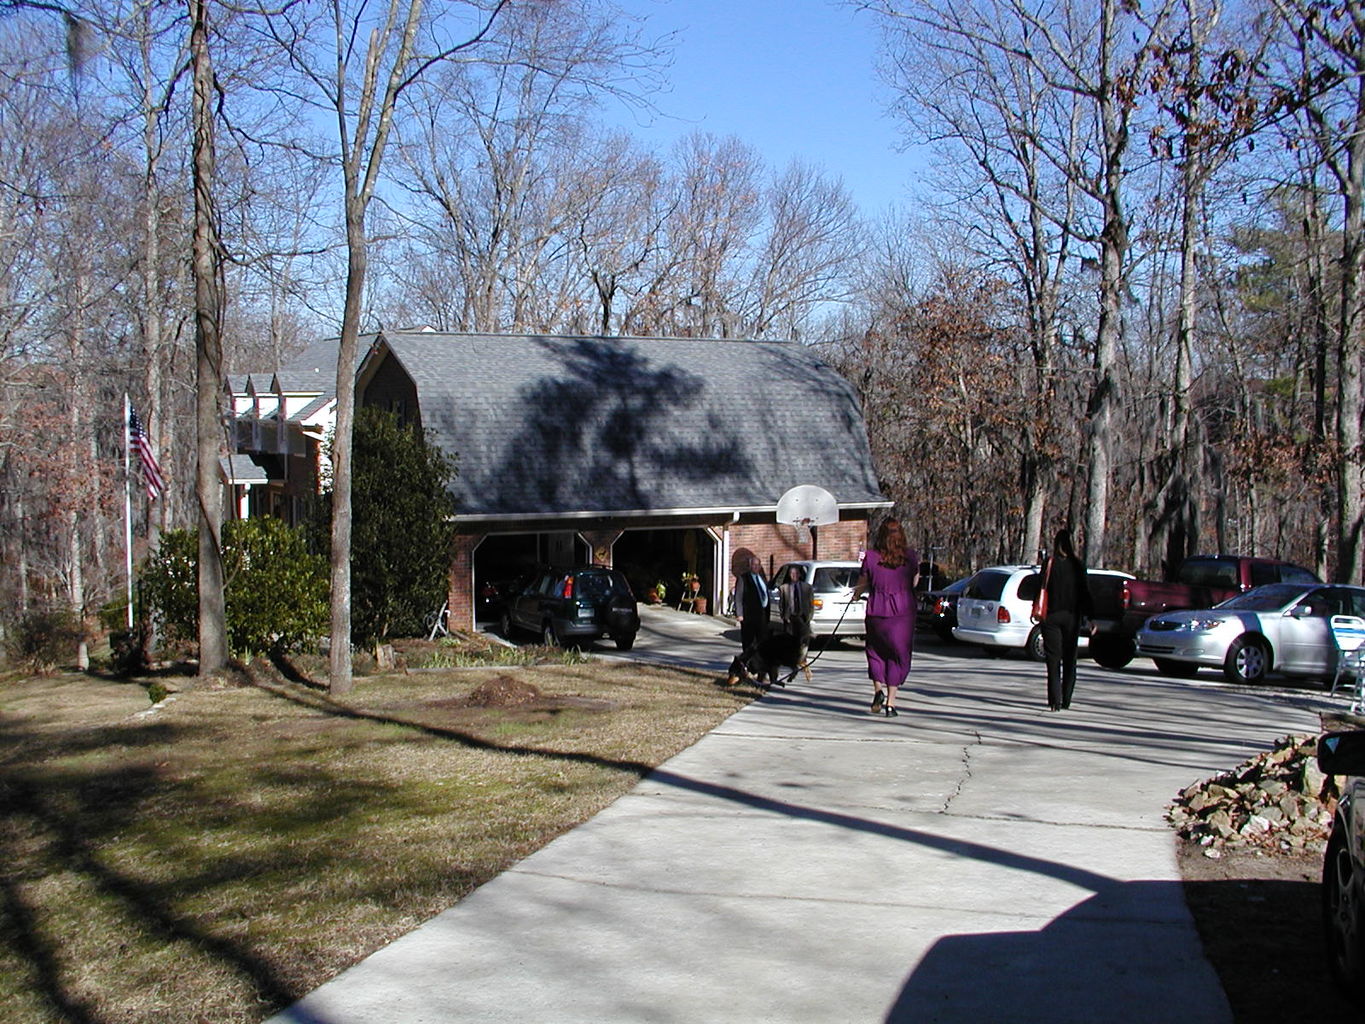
x: 1349, y: 633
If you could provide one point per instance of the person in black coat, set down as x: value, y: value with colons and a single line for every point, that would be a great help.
x: 752, y: 605
x: 1068, y: 603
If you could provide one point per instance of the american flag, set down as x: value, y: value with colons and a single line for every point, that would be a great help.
x: 142, y: 444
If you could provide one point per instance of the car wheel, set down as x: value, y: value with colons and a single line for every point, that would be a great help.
x: 1034, y: 647
x: 1111, y: 651
x: 1176, y: 669
x: 626, y: 642
x: 1248, y: 660
x: 548, y: 636
x: 1341, y: 915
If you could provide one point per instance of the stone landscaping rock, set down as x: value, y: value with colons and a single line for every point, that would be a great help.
x: 1277, y: 800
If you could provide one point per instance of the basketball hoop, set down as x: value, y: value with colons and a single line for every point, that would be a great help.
x: 806, y: 505
x: 803, y: 530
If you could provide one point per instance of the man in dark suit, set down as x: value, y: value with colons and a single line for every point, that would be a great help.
x: 798, y: 608
x: 752, y: 605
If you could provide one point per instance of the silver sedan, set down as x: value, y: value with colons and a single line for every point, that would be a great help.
x: 1280, y: 627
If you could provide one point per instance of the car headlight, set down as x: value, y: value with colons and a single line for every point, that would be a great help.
x: 1202, y: 625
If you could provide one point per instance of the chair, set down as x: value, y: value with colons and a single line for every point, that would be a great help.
x: 1349, y: 633
x: 690, y: 592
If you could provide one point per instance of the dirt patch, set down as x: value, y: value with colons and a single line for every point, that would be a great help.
x: 1259, y: 917
x: 503, y: 692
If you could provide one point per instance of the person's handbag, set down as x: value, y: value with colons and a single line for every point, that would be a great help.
x: 1040, y: 602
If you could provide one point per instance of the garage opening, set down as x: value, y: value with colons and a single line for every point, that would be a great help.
x: 648, y: 557
x: 502, y: 559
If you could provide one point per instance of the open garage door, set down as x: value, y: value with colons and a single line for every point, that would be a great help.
x: 501, y: 559
x: 648, y: 557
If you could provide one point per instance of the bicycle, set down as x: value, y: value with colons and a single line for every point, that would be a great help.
x: 438, y: 622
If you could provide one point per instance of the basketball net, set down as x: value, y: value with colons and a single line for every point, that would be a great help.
x: 803, y: 531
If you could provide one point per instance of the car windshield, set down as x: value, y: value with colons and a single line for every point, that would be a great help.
x: 1269, y: 598
x: 834, y: 577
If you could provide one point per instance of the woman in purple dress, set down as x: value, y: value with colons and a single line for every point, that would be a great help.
x: 890, y: 572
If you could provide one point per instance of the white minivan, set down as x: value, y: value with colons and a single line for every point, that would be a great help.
x: 833, y: 585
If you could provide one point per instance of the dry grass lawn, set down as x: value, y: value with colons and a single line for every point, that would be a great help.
x: 220, y: 854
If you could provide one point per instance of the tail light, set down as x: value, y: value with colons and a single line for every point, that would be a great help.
x: 568, y: 586
x: 1002, y: 615
x: 939, y: 608
x: 1125, y: 597
x: 818, y: 602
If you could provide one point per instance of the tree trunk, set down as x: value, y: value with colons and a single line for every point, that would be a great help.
x: 209, y: 352
x: 1113, y: 252
x: 339, y: 659
x: 1350, y: 481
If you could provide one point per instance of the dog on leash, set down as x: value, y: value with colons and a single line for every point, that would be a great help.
x: 763, y: 663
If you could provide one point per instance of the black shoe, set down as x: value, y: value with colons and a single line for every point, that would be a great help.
x: 878, y: 699
x: 892, y: 713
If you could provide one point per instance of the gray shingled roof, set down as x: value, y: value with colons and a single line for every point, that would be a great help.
x: 552, y: 426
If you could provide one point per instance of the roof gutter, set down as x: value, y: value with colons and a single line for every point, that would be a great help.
x: 728, y: 511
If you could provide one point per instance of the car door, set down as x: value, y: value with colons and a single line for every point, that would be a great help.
x: 1305, y: 644
x: 526, y: 607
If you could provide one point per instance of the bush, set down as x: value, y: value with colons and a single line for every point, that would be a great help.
x: 401, y: 529
x: 42, y: 640
x: 276, y: 591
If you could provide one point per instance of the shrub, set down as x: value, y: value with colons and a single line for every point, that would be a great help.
x: 401, y: 528
x: 276, y: 591
x: 42, y: 640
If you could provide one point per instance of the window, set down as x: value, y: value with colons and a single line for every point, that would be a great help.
x: 1028, y: 586
x: 1211, y: 572
x: 829, y: 578
x: 987, y: 586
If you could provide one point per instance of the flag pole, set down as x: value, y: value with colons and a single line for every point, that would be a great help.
x: 128, y: 504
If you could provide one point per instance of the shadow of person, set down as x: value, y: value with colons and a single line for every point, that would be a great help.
x: 1127, y: 954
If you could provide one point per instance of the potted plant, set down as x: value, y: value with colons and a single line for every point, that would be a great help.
x: 691, y: 589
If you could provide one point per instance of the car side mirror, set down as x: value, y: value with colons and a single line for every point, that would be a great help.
x: 1301, y: 611
x: 1342, y: 753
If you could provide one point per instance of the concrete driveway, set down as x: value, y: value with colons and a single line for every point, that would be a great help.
x: 977, y: 859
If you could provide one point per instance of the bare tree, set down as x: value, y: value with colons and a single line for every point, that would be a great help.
x: 1328, y: 43
x: 1008, y: 142
x: 386, y: 40
x: 1091, y: 56
x: 500, y: 150
x: 208, y: 312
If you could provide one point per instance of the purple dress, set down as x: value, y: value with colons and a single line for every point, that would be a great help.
x: 890, y: 617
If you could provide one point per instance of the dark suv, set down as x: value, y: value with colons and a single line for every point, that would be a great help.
x: 565, y: 606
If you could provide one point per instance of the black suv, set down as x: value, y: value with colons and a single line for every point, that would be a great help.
x: 565, y: 606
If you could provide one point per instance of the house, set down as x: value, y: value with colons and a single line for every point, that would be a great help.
x: 280, y: 423
x: 660, y: 456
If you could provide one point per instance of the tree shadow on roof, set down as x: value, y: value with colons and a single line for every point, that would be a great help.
x: 615, y: 431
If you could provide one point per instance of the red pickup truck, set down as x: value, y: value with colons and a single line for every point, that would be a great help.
x: 1201, y: 581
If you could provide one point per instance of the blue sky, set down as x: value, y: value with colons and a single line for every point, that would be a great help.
x: 793, y: 78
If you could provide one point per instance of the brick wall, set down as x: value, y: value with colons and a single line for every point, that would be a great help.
x: 774, y: 543
x: 461, y: 586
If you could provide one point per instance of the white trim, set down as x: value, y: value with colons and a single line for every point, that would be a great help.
x: 645, y: 513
